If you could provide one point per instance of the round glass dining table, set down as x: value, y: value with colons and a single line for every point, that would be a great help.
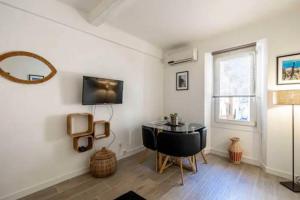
x: 184, y: 127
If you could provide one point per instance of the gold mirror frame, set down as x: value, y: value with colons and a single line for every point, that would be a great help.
x: 32, y: 55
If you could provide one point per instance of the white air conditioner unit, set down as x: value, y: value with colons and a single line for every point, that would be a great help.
x: 182, y: 56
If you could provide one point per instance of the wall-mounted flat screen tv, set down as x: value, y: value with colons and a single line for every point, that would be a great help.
x: 101, y: 91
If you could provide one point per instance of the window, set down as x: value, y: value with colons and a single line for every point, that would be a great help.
x: 234, y: 86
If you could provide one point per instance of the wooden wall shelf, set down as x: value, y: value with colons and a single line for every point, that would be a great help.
x: 90, y: 145
x: 70, y: 124
x: 94, y: 130
x: 106, y: 129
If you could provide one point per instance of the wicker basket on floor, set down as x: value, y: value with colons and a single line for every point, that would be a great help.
x: 103, y: 163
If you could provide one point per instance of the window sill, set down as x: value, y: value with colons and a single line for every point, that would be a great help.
x: 235, y: 126
x: 235, y: 123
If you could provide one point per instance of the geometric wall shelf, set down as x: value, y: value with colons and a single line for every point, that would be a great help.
x: 80, y: 124
x: 90, y: 142
x: 101, y: 129
x: 82, y: 128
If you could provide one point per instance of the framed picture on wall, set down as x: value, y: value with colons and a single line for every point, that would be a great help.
x: 33, y: 77
x: 182, y: 80
x: 288, y: 69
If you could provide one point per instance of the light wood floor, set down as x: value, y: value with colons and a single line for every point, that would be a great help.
x: 217, y: 180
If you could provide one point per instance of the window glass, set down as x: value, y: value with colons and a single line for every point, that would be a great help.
x: 234, y: 108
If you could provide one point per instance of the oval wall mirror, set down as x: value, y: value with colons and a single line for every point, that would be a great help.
x: 25, y: 67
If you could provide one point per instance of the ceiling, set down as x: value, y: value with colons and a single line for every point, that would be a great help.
x: 167, y: 23
x: 82, y: 5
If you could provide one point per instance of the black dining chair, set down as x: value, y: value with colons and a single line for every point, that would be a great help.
x: 150, y: 142
x: 179, y: 145
x: 203, y: 134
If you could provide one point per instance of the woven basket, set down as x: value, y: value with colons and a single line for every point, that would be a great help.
x: 103, y: 163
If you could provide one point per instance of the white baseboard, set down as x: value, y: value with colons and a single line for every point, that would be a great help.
x: 131, y: 152
x: 245, y: 159
x: 50, y: 182
x: 277, y: 172
x: 43, y: 185
x: 255, y: 162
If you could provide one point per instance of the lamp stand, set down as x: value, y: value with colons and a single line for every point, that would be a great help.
x: 291, y: 184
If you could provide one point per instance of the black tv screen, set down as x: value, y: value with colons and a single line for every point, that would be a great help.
x: 101, y: 91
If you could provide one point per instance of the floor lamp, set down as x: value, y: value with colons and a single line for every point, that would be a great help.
x: 289, y: 97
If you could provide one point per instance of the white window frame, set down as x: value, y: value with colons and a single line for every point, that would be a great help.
x: 252, y: 121
x: 253, y: 103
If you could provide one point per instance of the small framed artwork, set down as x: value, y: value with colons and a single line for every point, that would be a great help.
x: 33, y: 77
x: 288, y: 69
x: 182, y: 80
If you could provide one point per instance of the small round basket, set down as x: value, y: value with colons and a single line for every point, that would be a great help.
x: 103, y: 163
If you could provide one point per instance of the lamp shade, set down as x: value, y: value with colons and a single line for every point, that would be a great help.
x: 286, y: 97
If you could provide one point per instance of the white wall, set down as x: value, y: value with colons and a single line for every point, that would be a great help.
x: 282, y: 33
x: 36, y: 150
x: 187, y: 103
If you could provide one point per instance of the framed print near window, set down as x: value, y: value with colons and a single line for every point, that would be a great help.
x: 288, y: 69
x: 182, y: 80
